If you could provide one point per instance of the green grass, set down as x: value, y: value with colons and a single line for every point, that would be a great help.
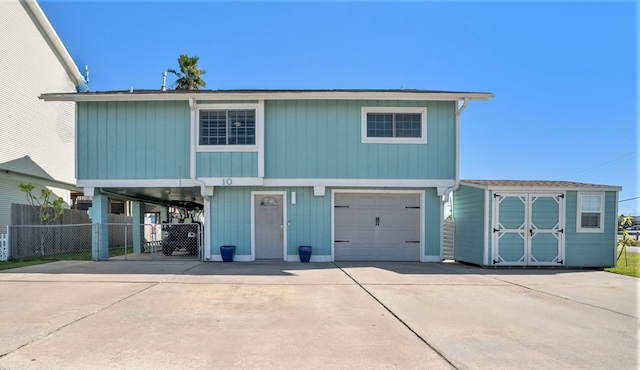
x: 71, y: 256
x: 5, y: 265
x: 629, y: 267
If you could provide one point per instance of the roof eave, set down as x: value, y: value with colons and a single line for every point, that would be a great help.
x: 515, y: 188
x: 266, y: 95
x: 56, y: 42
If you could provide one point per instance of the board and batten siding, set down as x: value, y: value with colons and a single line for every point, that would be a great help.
x: 227, y: 164
x: 469, y: 214
x: 322, y: 139
x: 42, y: 130
x: 310, y: 220
x: 133, y: 140
x: 590, y: 249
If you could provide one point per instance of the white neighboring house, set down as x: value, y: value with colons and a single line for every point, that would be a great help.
x: 37, y: 138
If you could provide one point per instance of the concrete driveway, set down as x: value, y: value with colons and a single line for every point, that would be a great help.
x: 191, y: 315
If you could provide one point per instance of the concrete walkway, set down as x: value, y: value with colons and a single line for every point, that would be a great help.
x: 191, y: 315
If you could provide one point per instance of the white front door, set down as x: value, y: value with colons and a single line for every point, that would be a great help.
x: 528, y: 229
x: 269, y: 226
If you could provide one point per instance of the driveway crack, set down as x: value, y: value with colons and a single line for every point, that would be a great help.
x: 78, y: 320
x: 397, y: 318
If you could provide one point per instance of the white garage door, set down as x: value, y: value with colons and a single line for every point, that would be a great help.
x: 377, y: 227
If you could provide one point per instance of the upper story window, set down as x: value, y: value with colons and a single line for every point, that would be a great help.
x: 590, y: 212
x: 229, y: 127
x: 394, y: 125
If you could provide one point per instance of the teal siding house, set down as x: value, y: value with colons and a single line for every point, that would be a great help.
x: 356, y: 174
x: 535, y: 223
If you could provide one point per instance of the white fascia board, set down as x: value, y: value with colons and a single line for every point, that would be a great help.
x: 55, y: 41
x: 137, y: 183
x: 361, y: 183
x: 38, y: 180
x: 258, y: 181
x: 271, y: 95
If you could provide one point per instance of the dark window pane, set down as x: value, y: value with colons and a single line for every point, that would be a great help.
x: 379, y: 125
x: 222, y: 127
x: 590, y: 220
x: 408, y: 125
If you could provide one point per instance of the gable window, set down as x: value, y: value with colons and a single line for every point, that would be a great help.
x: 590, y: 212
x: 394, y: 125
x: 227, y: 127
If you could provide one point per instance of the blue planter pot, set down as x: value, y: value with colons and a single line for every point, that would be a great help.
x: 227, y: 251
x: 305, y: 253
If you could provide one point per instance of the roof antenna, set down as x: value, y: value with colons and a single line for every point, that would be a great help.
x: 86, y: 76
x: 164, y: 81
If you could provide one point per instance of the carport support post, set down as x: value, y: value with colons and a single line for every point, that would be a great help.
x: 100, y: 219
x: 164, y: 215
x: 137, y: 219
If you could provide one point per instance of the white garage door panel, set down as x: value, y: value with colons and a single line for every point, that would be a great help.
x: 377, y: 227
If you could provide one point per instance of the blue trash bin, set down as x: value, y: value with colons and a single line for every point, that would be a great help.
x: 305, y: 253
x: 227, y: 251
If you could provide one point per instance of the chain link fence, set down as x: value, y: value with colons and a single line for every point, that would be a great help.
x: 124, y: 241
x: 60, y: 242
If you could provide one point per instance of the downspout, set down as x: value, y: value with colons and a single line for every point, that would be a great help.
x: 195, y: 180
x: 456, y: 184
x: 450, y: 190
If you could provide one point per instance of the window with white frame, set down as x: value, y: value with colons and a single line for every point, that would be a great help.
x: 227, y: 127
x: 394, y: 125
x: 590, y: 212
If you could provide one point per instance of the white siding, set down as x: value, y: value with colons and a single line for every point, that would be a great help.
x: 29, y: 126
x: 10, y: 193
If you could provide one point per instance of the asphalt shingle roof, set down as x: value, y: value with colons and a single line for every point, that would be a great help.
x: 536, y: 184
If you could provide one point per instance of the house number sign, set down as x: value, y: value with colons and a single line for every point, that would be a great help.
x: 227, y: 181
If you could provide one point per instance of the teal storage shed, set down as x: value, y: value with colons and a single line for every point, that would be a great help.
x: 535, y: 223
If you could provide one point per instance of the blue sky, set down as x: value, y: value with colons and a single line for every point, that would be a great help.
x: 564, y: 73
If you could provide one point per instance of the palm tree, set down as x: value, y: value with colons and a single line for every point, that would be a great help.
x: 189, y: 75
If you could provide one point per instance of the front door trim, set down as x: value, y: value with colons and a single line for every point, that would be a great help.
x: 253, y: 221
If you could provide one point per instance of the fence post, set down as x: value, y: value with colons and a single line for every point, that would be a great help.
x: 4, y: 245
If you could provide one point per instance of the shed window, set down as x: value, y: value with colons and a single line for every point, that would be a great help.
x: 394, y: 125
x: 227, y: 127
x: 590, y: 213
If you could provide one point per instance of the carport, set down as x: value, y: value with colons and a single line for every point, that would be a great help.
x: 177, y: 233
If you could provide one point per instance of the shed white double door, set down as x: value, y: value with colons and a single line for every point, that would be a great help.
x: 528, y: 229
x: 377, y: 227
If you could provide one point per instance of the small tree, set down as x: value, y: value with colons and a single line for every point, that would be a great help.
x: 626, y: 240
x: 189, y: 75
x: 45, y: 206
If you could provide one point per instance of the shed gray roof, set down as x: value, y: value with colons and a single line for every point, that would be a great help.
x: 494, y: 184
